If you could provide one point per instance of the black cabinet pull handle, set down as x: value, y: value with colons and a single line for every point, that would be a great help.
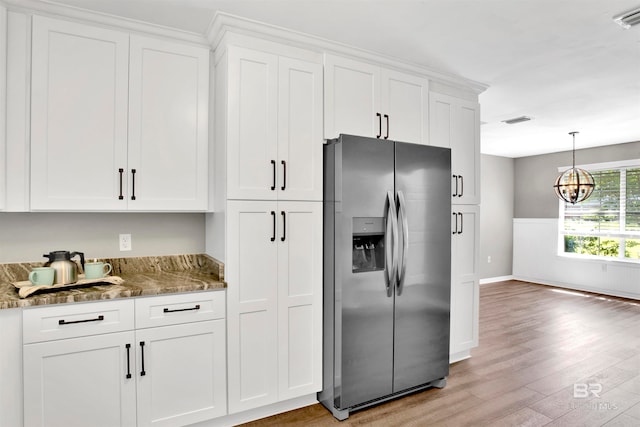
x: 461, y: 222
x: 284, y: 226
x: 461, y: 186
x: 284, y: 175
x: 167, y: 310
x: 456, y: 178
x: 379, y: 116
x: 273, y: 236
x: 120, y: 171
x: 128, y: 346
x: 386, y: 116
x: 273, y: 165
x: 64, y: 322
x: 455, y: 229
x: 133, y: 184
x: 142, y: 372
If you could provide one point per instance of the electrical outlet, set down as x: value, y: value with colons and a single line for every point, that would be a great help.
x: 125, y: 242
x: 489, y: 259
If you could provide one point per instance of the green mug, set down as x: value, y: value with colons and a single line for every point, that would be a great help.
x: 42, y: 276
x: 96, y: 270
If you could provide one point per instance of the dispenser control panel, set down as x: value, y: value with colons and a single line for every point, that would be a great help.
x: 368, y: 244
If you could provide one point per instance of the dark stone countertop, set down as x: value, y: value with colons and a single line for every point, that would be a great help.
x: 142, y: 276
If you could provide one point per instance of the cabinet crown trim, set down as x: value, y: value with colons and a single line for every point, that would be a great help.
x: 61, y: 11
x: 224, y: 22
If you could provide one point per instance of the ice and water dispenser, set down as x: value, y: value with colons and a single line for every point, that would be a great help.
x: 368, y: 244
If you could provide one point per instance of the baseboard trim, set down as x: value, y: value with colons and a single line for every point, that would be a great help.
x: 495, y: 279
x: 578, y: 288
x: 261, y: 412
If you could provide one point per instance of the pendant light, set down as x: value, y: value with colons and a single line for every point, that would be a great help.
x: 574, y: 185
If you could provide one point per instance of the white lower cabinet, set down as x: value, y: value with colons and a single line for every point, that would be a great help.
x: 465, y: 290
x: 76, y: 374
x: 274, y: 262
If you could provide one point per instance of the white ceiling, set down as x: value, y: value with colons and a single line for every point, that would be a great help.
x: 563, y: 62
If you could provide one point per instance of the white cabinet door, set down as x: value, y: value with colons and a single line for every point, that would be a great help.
x: 299, y: 299
x: 79, y: 95
x: 252, y: 148
x: 455, y: 123
x: 464, y: 278
x: 252, y: 303
x: 274, y: 137
x: 352, y: 98
x: 405, y: 107
x: 366, y: 100
x: 168, y: 130
x: 299, y: 130
x: 465, y: 150
x: 80, y: 382
x: 184, y: 379
x: 274, y: 263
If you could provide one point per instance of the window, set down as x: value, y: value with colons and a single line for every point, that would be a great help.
x: 607, y: 224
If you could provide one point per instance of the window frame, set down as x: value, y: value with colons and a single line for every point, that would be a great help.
x: 622, y: 236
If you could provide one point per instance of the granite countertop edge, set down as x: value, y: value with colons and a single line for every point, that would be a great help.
x: 143, y: 276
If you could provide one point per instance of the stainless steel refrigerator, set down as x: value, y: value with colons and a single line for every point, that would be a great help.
x: 387, y: 249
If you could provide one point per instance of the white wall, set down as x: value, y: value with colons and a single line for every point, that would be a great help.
x: 535, y: 227
x: 536, y: 259
x: 26, y: 236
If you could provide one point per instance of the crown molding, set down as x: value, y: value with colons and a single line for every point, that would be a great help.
x: 223, y: 23
x: 57, y: 10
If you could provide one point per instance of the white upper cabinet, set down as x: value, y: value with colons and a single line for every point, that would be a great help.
x: 364, y: 99
x: 115, y: 127
x: 79, y: 90
x: 168, y: 125
x: 274, y: 127
x: 455, y: 124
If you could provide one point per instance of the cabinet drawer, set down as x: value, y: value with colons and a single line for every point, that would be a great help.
x: 76, y: 320
x: 179, y: 308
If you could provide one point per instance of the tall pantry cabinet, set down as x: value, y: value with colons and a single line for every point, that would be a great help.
x: 268, y: 207
x: 454, y: 122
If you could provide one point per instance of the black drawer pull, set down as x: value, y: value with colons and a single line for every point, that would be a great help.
x: 142, y: 372
x: 128, y: 346
x: 273, y: 165
x: 386, y: 116
x: 120, y: 171
x: 273, y: 236
x: 64, y: 322
x: 166, y: 310
x: 133, y: 184
x: 284, y: 175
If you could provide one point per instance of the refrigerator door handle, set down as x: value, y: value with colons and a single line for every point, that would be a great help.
x: 402, y: 216
x: 391, y: 244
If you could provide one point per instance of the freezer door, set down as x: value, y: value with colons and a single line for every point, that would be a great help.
x: 421, y: 348
x: 363, y: 307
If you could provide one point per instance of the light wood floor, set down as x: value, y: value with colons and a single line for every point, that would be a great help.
x: 541, y: 349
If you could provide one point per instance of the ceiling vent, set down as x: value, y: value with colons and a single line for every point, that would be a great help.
x: 517, y: 120
x: 628, y: 19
